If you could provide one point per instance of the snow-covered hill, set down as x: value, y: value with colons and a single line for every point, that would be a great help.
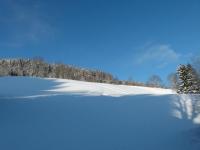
x: 65, y: 114
x: 35, y: 87
x: 89, y: 88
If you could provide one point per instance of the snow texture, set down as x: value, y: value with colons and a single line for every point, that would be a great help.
x: 65, y: 114
x: 64, y: 86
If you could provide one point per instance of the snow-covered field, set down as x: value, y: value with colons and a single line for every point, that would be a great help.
x: 57, y: 114
x: 17, y: 87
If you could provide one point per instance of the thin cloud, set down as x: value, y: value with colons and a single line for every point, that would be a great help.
x: 160, y: 54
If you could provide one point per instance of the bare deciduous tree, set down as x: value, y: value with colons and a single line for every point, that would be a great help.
x: 154, y: 81
x: 173, y: 80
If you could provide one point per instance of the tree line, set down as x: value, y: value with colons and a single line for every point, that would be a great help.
x: 185, y: 80
x: 37, y: 67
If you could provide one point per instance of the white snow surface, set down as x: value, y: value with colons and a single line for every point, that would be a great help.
x: 31, y: 87
x: 102, y: 89
x: 64, y: 114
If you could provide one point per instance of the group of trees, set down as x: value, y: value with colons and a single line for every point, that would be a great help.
x: 37, y: 67
x: 186, y: 80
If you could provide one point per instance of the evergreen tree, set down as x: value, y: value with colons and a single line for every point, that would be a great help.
x: 193, y: 80
x: 182, y: 83
x: 188, y: 80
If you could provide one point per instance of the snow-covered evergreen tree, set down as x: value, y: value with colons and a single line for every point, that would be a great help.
x: 182, y: 84
x: 188, y: 80
x: 193, y: 80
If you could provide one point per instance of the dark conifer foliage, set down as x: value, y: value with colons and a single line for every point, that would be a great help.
x: 188, y: 80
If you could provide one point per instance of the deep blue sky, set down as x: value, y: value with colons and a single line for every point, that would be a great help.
x: 135, y: 38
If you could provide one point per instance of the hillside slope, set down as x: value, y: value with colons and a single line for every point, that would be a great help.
x: 36, y: 87
x: 65, y: 114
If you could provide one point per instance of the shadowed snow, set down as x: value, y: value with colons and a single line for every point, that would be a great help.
x: 187, y: 106
x: 23, y: 87
x: 111, y: 117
